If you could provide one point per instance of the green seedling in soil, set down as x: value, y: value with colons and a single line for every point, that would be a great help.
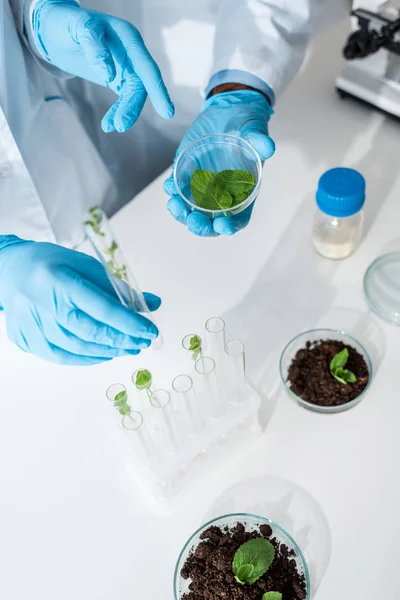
x: 121, y: 402
x: 195, y: 346
x: 144, y: 380
x: 113, y: 267
x: 221, y: 191
x: 337, y: 369
x: 252, y: 560
x: 272, y: 596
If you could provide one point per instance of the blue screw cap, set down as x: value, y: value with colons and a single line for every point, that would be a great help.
x: 341, y: 192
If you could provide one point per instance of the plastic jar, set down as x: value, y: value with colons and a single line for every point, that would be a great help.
x: 339, y: 218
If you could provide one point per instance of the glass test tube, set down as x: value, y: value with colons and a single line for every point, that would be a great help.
x: 118, y: 395
x: 215, y: 328
x: 211, y: 397
x: 146, y: 387
x: 187, y: 406
x: 100, y: 235
x: 235, y: 370
x: 193, y: 344
x: 139, y: 438
x: 164, y: 418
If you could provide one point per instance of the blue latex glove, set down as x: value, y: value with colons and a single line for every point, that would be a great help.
x: 245, y: 113
x: 60, y: 305
x: 105, y: 50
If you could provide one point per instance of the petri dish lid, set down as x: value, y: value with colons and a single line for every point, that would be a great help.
x: 382, y: 287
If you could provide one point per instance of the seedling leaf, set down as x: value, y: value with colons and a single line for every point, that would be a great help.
x: 143, y: 379
x: 244, y: 573
x: 272, y: 596
x: 339, y: 360
x: 259, y: 553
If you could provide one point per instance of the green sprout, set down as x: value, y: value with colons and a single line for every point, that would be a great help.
x: 195, y: 346
x: 121, y: 402
x: 113, y: 267
x: 337, y: 369
x: 252, y: 560
x: 144, y: 380
x: 272, y: 596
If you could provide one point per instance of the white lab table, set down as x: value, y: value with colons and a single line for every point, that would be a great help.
x: 73, y: 522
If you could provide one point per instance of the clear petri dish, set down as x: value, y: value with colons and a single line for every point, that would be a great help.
x: 216, y: 152
x: 382, y: 287
x: 251, y: 523
x: 315, y: 335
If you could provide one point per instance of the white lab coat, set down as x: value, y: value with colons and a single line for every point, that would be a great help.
x: 55, y: 161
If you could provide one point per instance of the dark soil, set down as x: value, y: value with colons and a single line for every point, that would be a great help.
x: 210, y: 568
x: 310, y: 378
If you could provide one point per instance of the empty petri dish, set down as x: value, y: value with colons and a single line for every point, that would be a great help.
x: 382, y: 287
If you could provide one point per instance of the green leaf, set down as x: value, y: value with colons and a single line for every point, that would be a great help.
x: 121, y: 397
x: 244, y: 573
x: 220, y: 191
x: 143, y: 379
x: 236, y: 181
x: 195, y: 342
x: 199, y: 184
x: 272, y: 596
x: 344, y: 376
x: 339, y: 360
x: 89, y: 223
x: 259, y: 553
x: 216, y: 198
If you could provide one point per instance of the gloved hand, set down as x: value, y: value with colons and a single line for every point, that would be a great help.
x: 105, y: 50
x: 60, y: 305
x: 244, y: 113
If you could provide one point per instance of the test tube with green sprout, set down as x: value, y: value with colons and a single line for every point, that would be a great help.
x: 110, y: 255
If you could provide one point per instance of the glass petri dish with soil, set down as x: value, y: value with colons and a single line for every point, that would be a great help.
x: 215, y: 562
x: 218, y: 175
x: 326, y: 370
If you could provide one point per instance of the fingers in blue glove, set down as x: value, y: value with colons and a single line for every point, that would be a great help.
x: 92, y: 37
x: 231, y: 225
x: 124, y: 113
x: 254, y: 133
x: 145, y: 67
x: 178, y: 209
x: 201, y: 225
x: 103, y: 308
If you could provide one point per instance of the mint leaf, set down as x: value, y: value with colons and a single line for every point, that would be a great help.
x: 220, y: 191
x: 272, y: 596
x: 217, y: 197
x: 339, y: 360
x: 236, y: 181
x: 244, y: 573
x: 199, y: 184
x: 143, y: 379
x: 259, y: 553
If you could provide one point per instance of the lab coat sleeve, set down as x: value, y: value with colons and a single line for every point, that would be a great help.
x: 23, y: 13
x: 262, y: 43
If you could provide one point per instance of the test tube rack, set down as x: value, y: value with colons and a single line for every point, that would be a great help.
x: 195, y: 456
x: 219, y: 439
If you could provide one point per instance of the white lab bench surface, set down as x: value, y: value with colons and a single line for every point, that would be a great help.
x: 73, y: 522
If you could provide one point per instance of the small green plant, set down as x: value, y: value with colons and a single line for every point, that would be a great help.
x: 272, y: 596
x: 121, y: 402
x: 337, y: 369
x: 195, y: 346
x: 144, y: 380
x: 252, y: 559
x: 113, y: 267
x: 221, y: 191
